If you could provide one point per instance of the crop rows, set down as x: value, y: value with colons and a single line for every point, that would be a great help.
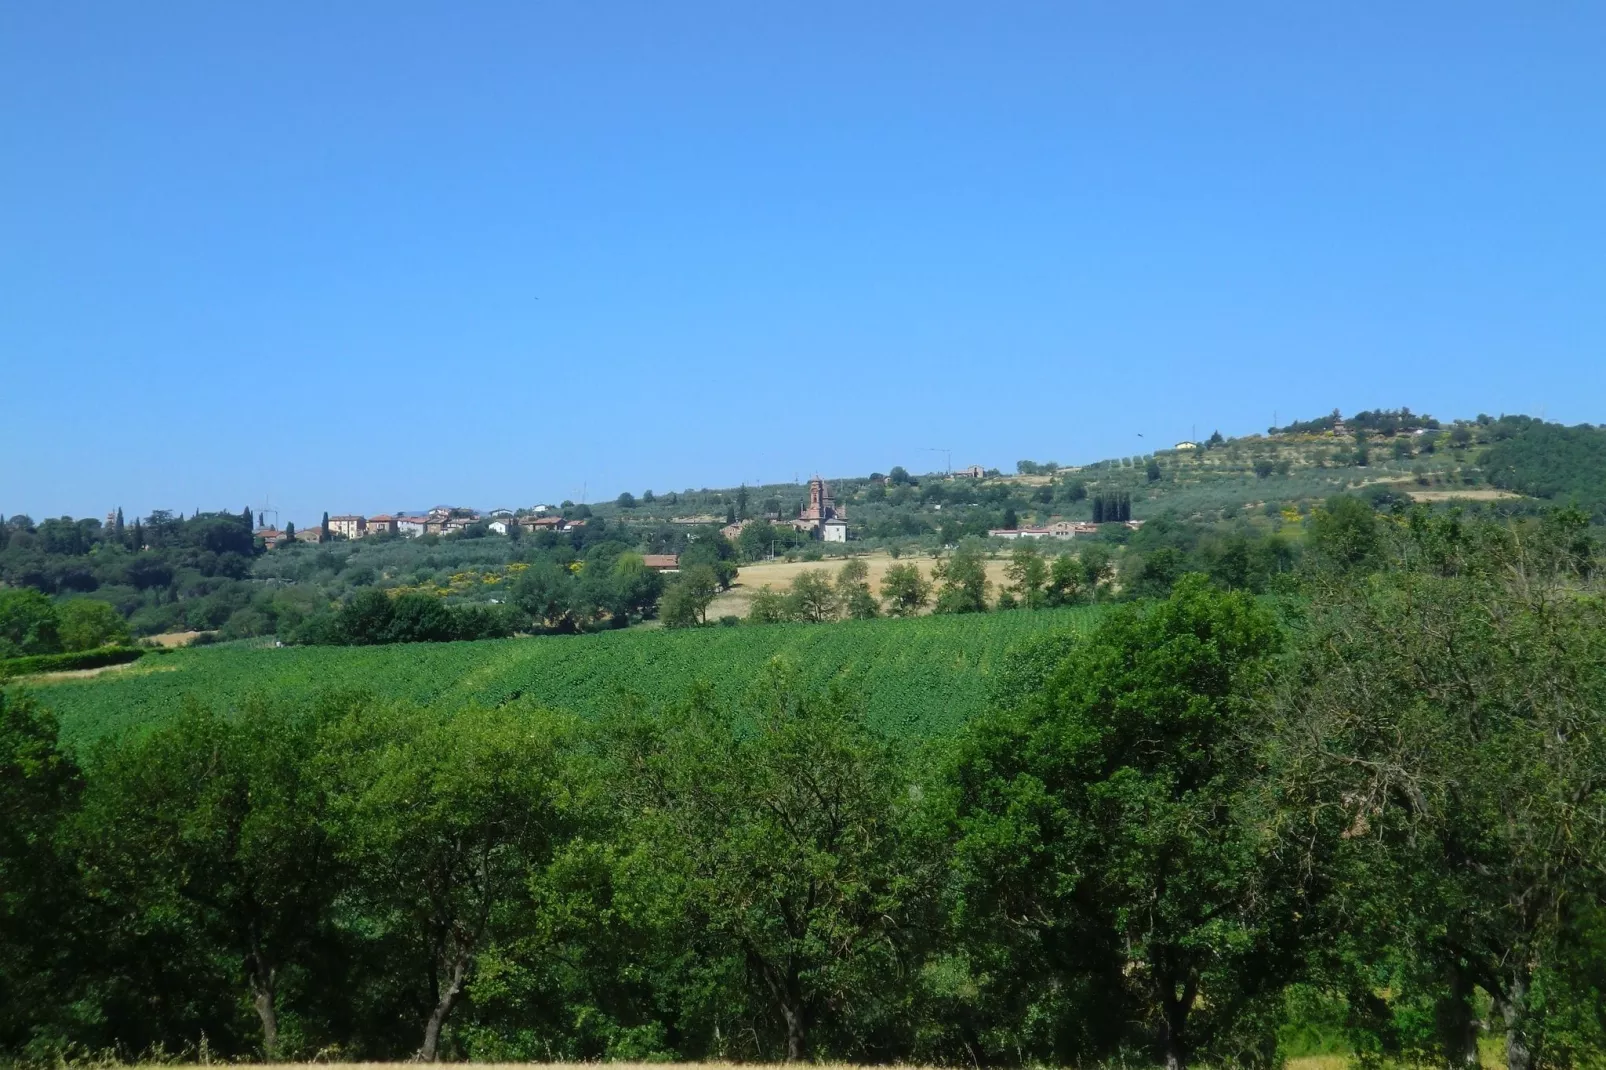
x: 917, y: 677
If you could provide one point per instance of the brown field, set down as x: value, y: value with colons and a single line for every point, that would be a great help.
x: 142, y: 666
x: 172, y: 639
x: 1465, y: 494
x: 780, y: 574
x: 76, y: 674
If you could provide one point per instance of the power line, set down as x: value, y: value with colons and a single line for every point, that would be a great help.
x: 947, y: 457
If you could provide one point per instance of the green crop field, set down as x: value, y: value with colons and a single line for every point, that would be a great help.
x: 922, y: 676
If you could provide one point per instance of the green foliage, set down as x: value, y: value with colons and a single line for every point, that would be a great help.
x: 1359, y: 817
x: 962, y: 581
x: 371, y: 616
x: 1028, y: 574
x: 78, y: 659
x: 28, y: 624
x: 1566, y: 464
x: 1448, y: 742
x: 1380, y: 421
x: 786, y: 831
x: 853, y: 588
x: 813, y: 597
x: 687, y: 599
x: 1344, y: 534
x: 229, y: 852
x: 87, y: 624
x: 1127, y: 778
x: 39, y: 789
x: 442, y: 818
x: 925, y: 675
x: 905, y: 590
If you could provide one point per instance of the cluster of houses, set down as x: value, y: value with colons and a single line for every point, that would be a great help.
x: 1060, y: 529
x: 442, y: 520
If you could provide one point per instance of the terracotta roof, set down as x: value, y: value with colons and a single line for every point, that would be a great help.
x: 661, y: 560
x: 382, y: 518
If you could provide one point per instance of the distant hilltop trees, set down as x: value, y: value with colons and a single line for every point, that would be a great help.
x: 1378, y: 421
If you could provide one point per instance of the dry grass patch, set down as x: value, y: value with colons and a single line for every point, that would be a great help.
x: 171, y: 639
x: 780, y: 574
x: 1464, y: 494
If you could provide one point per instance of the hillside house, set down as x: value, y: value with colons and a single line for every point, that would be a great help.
x: 662, y: 562
x: 350, y: 527
x: 834, y: 530
x: 975, y: 471
x: 1060, y: 529
x: 411, y: 526
x: 383, y: 524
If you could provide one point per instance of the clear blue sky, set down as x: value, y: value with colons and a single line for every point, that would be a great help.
x: 365, y: 256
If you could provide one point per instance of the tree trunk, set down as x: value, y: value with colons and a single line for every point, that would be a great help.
x: 1172, y: 1039
x: 1458, y: 1029
x: 262, y: 980
x: 1512, y: 1004
x: 785, y: 987
x: 1174, y: 1029
x: 430, y: 1050
x: 796, y: 1032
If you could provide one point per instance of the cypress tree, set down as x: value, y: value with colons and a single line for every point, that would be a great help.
x: 1098, y: 508
x: 290, y: 529
x: 323, y: 532
x: 117, y: 526
x: 139, y: 536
